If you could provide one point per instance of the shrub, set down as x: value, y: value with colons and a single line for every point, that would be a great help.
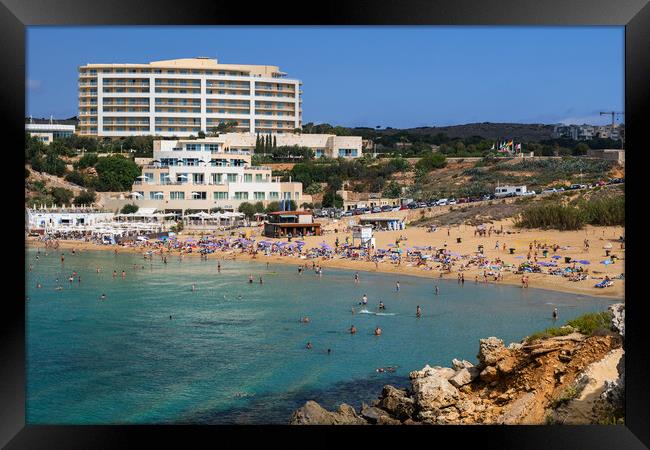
x: 551, y: 216
x: 588, y: 324
x: 129, y: 209
x: 314, y: 188
x: 605, y: 211
x: 87, y: 160
x: 61, y: 196
x: 86, y: 197
x: 248, y: 209
x: 432, y: 161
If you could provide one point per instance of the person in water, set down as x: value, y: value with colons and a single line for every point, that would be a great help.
x: 437, y: 290
x: 555, y: 314
x: 193, y: 287
x: 261, y: 281
x: 356, y: 277
x: 308, y: 346
x: 397, y: 286
x: 250, y: 278
x: 353, y: 329
x: 381, y: 305
x: 364, y: 299
x: 329, y: 351
x: 418, y: 311
x: 103, y: 297
x: 377, y: 331
x: 305, y: 319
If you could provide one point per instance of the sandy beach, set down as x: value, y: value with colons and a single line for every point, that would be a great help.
x: 571, y: 244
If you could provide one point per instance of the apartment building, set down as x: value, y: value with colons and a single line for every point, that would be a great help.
x: 181, y: 97
x: 208, y: 173
x: 586, y: 132
x: 47, y: 130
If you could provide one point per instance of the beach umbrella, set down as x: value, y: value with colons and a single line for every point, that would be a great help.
x: 608, y: 245
x: 607, y: 262
x: 582, y: 261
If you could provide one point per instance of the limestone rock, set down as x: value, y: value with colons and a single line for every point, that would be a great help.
x: 489, y: 374
x: 457, y: 364
x: 431, y: 390
x: 464, y: 376
x: 506, y: 365
x: 314, y: 414
x: 372, y: 413
x: 491, y: 350
x: 396, y: 402
x: 386, y: 420
x: 517, y: 410
x: 618, y: 317
x: 427, y: 371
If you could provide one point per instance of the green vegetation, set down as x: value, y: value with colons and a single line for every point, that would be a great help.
x: 431, y: 161
x: 549, y: 215
x: 587, y: 324
x: 314, y: 188
x: 248, y: 209
x: 392, y: 190
x: 87, y: 160
x: 129, y: 209
x: 85, y: 198
x: 567, y: 395
x: 116, y: 173
x: 61, y: 196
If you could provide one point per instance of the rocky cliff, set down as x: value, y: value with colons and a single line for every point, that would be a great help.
x: 523, y: 383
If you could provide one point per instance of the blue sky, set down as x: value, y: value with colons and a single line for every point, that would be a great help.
x: 369, y: 76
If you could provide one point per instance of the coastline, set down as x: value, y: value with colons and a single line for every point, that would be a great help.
x: 537, y: 280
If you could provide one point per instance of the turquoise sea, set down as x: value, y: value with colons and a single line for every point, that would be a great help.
x: 234, y: 352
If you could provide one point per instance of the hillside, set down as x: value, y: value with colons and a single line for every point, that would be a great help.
x: 487, y: 130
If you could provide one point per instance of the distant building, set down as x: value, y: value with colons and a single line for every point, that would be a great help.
x: 180, y: 97
x: 586, y: 132
x: 42, y: 219
x: 46, y: 130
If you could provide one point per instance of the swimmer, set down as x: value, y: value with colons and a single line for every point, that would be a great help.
x: 59, y: 288
x: 39, y: 285
x: 329, y: 351
x: 97, y: 269
x: 71, y: 279
x: 380, y: 369
x: 103, y: 297
x: 353, y: 329
x: 377, y: 331
x: 437, y: 290
x: 555, y: 314
x: 308, y: 346
x: 115, y: 274
x: 250, y: 278
x: 356, y: 277
x: 305, y: 319
x: 193, y: 287
x: 418, y: 311
x: 364, y: 299
x: 261, y: 281
x: 397, y: 286
x: 353, y: 310
x: 219, y: 267
x: 123, y: 274
x: 381, y: 305
x: 170, y: 317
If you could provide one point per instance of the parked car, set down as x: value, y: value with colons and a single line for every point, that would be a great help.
x: 549, y: 191
x: 527, y: 193
x: 442, y: 202
x: 376, y: 209
x: 396, y: 208
x: 422, y: 205
x: 463, y: 200
x: 403, y: 207
x: 346, y: 214
x: 386, y: 208
x: 452, y: 201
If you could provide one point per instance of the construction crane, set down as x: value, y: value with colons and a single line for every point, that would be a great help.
x: 614, y: 114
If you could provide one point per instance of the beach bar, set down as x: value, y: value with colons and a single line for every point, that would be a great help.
x: 294, y: 223
x: 384, y: 223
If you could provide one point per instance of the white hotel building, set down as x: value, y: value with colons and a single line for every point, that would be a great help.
x: 208, y: 173
x: 181, y: 97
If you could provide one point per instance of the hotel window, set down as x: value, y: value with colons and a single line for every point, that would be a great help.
x: 201, y: 195
x: 258, y: 178
x: 216, y: 178
x: 177, y: 195
x: 164, y: 178
x: 241, y: 195
x: 232, y: 177
x: 286, y: 195
x: 248, y: 178
x: 155, y: 195
x: 193, y: 147
x: 211, y: 147
x: 296, y: 195
x: 220, y: 195
x: 259, y: 195
x: 274, y: 195
x: 197, y: 178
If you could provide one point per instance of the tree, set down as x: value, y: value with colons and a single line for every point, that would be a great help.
x: 259, y: 207
x: 314, y: 188
x: 248, y: 209
x: 392, y: 190
x: 201, y: 134
x: 273, y: 207
x: 87, y: 160
x: 332, y: 199
x: 86, y: 197
x: 116, y: 173
x: 52, y: 164
x: 581, y: 149
x: 61, y: 196
x: 129, y: 208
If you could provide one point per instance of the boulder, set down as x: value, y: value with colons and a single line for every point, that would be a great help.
x: 489, y: 374
x: 386, y: 420
x: 432, y: 391
x: 618, y: 318
x: 459, y: 365
x: 372, y: 413
x: 465, y: 407
x: 314, y: 414
x: 444, y: 372
x: 464, y: 376
x: 491, y: 350
x: 507, y: 364
x: 396, y: 403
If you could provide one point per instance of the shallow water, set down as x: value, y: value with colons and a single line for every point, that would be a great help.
x: 234, y: 352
